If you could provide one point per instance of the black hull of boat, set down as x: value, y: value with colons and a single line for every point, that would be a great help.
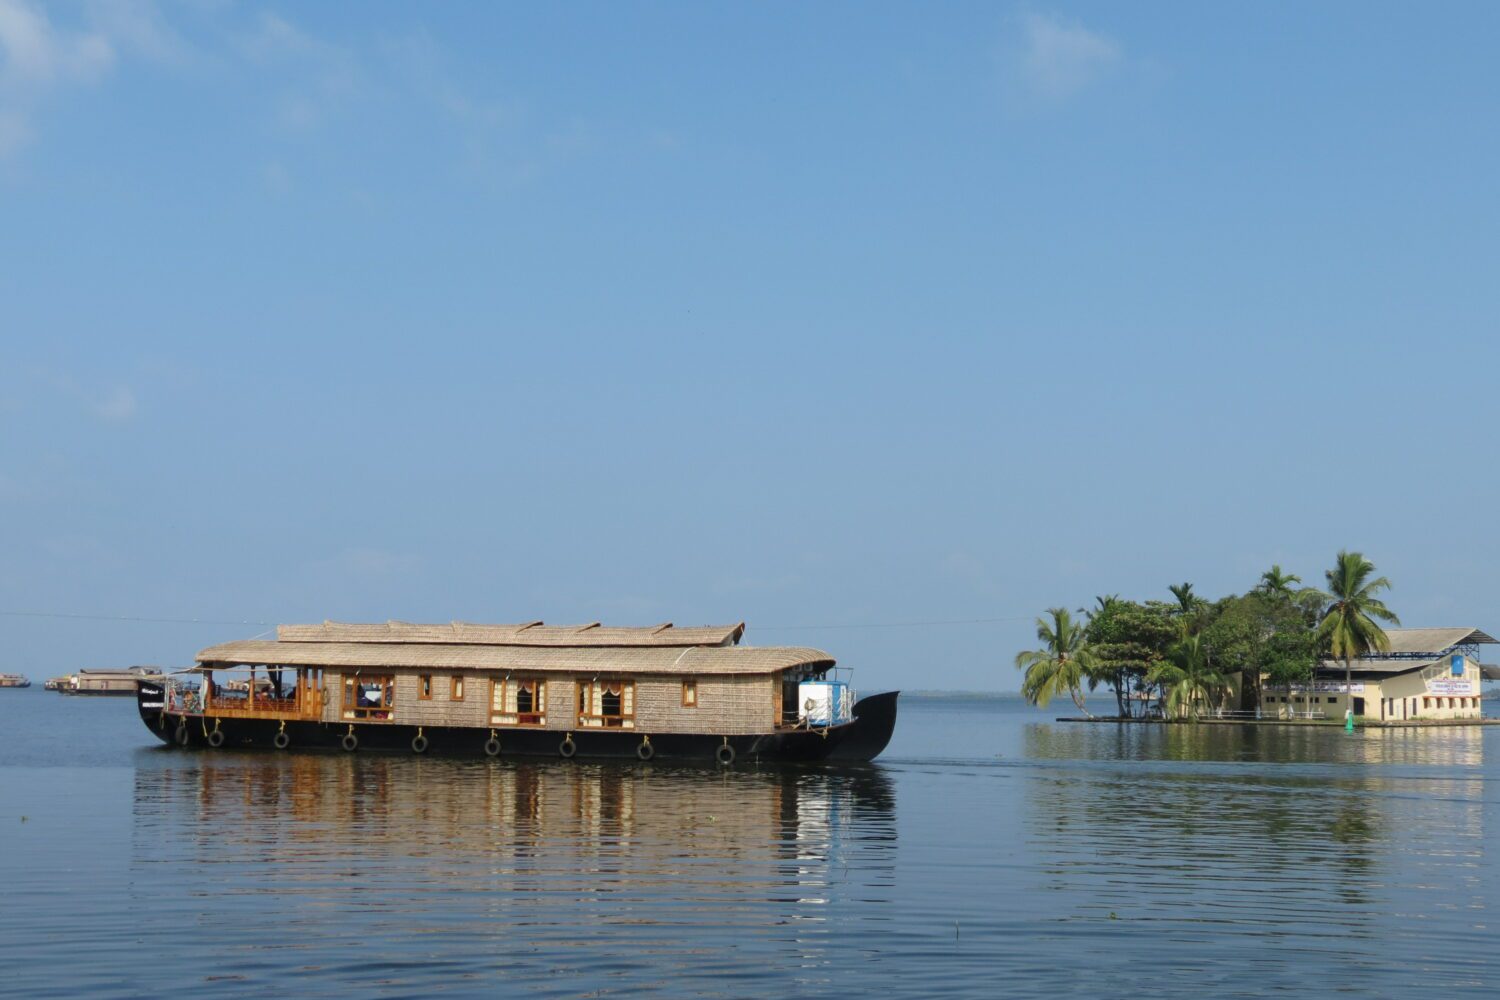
x: 855, y: 742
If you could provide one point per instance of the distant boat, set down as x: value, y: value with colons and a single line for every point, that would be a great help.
x: 14, y: 681
x: 120, y: 683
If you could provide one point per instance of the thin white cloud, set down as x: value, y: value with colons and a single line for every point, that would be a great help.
x: 319, y: 76
x: 138, y: 28
x: 1060, y: 58
x: 425, y: 68
x: 114, y: 405
x: 276, y: 177
x: 35, y: 59
x: 38, y: 55
x: 118, y: 406
x: 15, y: 130
x: 39, y: 58
x: 368, y: 563
x: 310, y: 83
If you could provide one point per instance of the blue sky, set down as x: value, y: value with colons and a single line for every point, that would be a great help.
x: 811, y: 315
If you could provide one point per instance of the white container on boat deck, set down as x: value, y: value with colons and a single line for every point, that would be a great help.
x: 824, y: 703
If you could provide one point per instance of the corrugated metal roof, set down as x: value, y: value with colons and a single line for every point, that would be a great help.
x: 525, y: 634
x: 1433, y: 640
x: 1335, y: 668
x: 574, y: 659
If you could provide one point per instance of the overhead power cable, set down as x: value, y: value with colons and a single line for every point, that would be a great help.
x: 955, y: 621
x: 129, y: 618
x: 758, y: 628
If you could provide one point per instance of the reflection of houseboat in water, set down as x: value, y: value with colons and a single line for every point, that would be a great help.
x: 530, y: 838
x: 104, y: 682
x: 14, y: 681
x: 406, y: 802
x: 531, y: 690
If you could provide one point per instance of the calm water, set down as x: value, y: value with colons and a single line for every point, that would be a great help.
x: 992, y: 853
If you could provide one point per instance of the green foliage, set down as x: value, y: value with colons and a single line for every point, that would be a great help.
x: 1291, y: 655
x: 1276, y: 583
x: 1190, y: 682
x: 1061, y: 665
x: 1188, y: 603
x: 1187, y: 647
x: 1348, y: 629
x: 1129, y: 636
x: 1128, y: 639
x: 1240, y: 628
x: 1267, y: 631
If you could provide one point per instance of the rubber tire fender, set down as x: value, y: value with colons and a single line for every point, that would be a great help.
x: 567, y: 748
x: 419, y: 744
x: 645, y: 751
x: 350, y: 742
x: 281, y: 740
x: 492, y: 747
x: 724, y: 754
x: 216, y: 738
x: 181, y: 736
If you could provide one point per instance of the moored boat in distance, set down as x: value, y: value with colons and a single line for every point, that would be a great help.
x: 659, y: 692
x: 14, y: 681
x: 120, y: 683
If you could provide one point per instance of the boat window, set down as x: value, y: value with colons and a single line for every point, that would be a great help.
x: 424, y: 687
x: 369, y: 697
x: 518, y: 701
x: 690, y: 692
x: 606, y: 704
x: 456, y: 688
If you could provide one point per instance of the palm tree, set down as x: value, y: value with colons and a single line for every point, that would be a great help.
x: 1187, y: 677
x: 1187, y: 601
x: 1348, y: 629
x: 1061, y: 664
x: 1276, y: 583
x: 1103, y: 604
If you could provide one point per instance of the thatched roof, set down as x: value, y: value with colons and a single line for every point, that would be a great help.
x: 504, y: 658
x: 525, y: 634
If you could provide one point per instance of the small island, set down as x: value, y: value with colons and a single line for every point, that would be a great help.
x: 1280, y: 653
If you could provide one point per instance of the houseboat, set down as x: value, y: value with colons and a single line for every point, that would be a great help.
x: 121, y: 683
x: 14, y: 681
x: 531, y: 689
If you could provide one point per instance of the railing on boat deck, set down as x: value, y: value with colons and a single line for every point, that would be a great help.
x: 246, y: 705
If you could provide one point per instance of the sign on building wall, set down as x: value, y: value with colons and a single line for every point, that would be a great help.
x: 1451, y: 686
x: 1319, y: 687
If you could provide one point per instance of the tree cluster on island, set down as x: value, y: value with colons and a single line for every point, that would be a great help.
x: 1182, y: 653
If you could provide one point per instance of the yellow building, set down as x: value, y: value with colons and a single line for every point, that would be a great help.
x: 1428, y: 673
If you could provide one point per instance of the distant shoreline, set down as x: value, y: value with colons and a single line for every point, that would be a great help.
x: 1322, y: 723
x: 963, y: 695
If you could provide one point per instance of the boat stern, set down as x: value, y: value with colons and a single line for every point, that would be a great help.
x: 866, y: 737
x: 151, y: 702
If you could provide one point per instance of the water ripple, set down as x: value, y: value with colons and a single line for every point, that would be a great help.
x: 991, y: 853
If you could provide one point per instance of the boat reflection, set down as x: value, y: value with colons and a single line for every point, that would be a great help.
x: 533, y: 835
